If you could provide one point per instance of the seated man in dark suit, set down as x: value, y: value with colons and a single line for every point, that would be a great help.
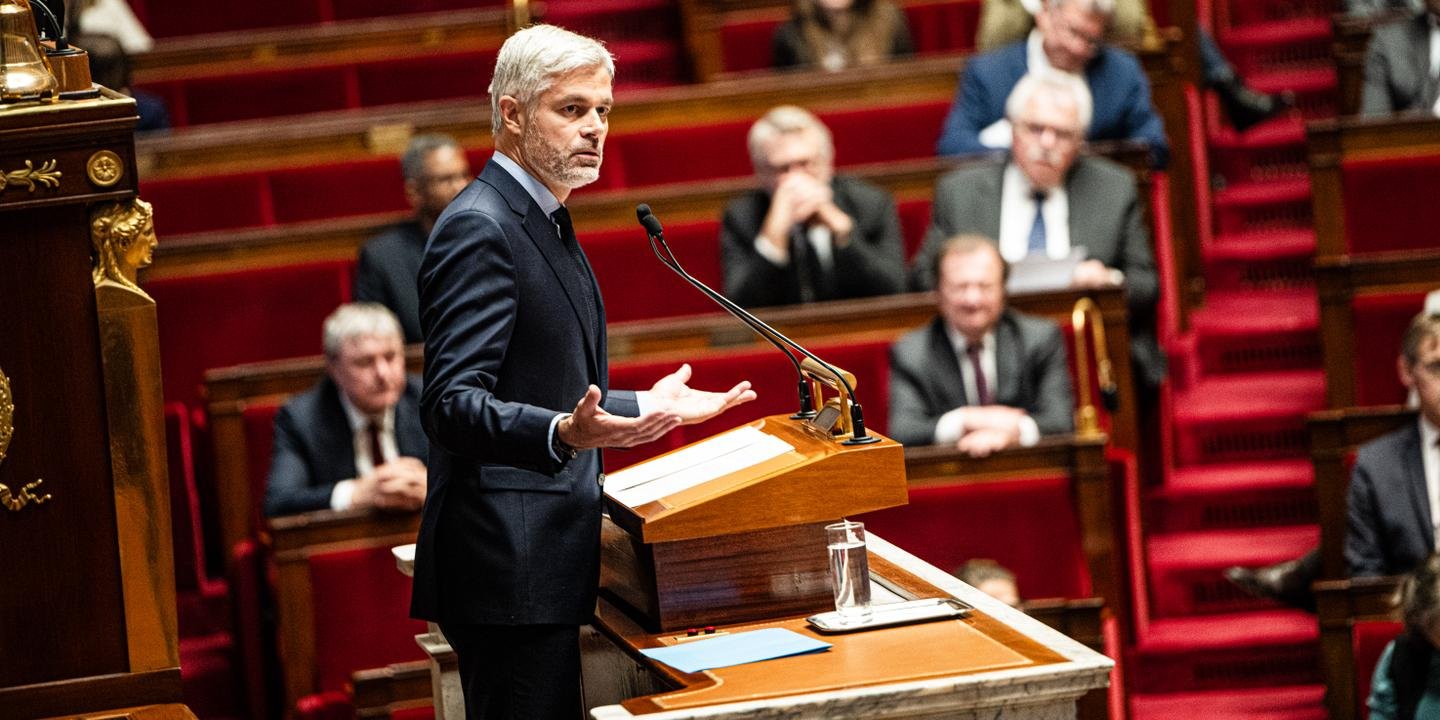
x: 354, y: 440
x: 435, y: 171
x: 1069, y: 37
x: 1402, y: 65
x: 807, y: 235
x: 980, y: 376
x: 1394, y: 497
x: 1046, y: 199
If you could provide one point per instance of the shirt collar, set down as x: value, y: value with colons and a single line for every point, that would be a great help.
x: 1429, y: 434
x: 958, y: 341
x: 538, y: 192
x: 1035, y: 60
x: 359, y: 420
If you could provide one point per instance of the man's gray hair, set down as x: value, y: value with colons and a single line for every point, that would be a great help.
x: 531, y: 59
x: 1102, y: 7
x: 784, y: 120
x: 1051, y: 85
x: 412, y: 163
x: 353, y: 320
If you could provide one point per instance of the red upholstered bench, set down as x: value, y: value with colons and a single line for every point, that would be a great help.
x: 318, y: 192
x: 173, y: 18
x: 634, y: 283
x: 1390, y: 202
x: 215, y: 202
x: 259, y: 419
x: 212, y: 321
x: 1379, y: 326
x: 945, y: 525
x: 1369, y: 638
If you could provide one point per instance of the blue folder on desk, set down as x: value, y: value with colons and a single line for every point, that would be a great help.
x: 737, y: 649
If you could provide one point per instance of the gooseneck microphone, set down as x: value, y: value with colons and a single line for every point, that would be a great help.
x: 784, y: 344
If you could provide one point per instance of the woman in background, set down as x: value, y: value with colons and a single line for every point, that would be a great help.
x: 1406, y: 685
x: 838, y: 34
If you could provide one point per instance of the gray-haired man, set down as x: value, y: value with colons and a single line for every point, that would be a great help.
x: 507, y: 560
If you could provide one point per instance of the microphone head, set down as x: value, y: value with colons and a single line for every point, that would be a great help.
x: 648, y: 220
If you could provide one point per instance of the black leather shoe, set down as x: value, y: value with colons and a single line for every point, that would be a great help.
x: 1246, y: 108
x: 1287, y: 583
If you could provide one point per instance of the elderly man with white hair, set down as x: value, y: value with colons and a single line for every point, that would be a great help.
x: 1069, y: 37
x: 807, y: 234
x: 1048, y: 199
x: 508, y: 555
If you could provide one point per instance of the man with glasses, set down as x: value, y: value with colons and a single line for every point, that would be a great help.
x: 1047, y: 200
x: 435, y: 171
x: 1068, y: 38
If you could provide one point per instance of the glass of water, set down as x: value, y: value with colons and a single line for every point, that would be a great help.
x: 849, y: 570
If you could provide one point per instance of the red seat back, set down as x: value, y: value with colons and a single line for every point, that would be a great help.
x: 942, y: 27
x: 1368, y: 640
x: 335, y: 190
x: 213, y: 321
x: 634, y: 283
x: 185, y: 519
x: 259, y: 421
x: 215, y: 202
x: 1379, y: 326
x: 1390, y: 202
x: 362, y: 614
x: 947, y: 524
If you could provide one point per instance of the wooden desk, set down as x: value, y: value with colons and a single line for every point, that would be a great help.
x: 1341, y: 604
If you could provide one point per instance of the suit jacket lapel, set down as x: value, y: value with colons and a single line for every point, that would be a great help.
x: 949, y: 383
x: 991, y: 194
x: 1414, y: 465
x: 336, y: 449
x: 1007, y: 362
x: 542, y: 232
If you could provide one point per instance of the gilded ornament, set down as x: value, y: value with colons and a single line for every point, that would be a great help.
x: 123, y: 236
x: 104, y: 168
x: 17, y: 501
x: 31, y: 177
x: 7, y: 415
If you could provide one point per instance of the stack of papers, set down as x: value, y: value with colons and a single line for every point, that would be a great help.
x: 737, y: 649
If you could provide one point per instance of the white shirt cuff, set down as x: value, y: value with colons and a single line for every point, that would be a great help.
x: 949, y: 427
x: 643, y: 401
x: 341, y: 495
x: 1029, y: 431
x: 768, y: 251
x: 550, y: 437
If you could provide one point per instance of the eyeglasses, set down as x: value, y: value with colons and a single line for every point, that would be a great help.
x: 1035, y: 129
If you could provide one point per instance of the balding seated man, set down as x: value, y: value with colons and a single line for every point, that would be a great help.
x: 980, y: 376
x: 354, y: 440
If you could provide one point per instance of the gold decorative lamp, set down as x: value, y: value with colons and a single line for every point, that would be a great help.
x: 24, y: 70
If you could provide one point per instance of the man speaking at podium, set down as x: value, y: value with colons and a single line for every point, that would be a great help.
x: 507, y: 559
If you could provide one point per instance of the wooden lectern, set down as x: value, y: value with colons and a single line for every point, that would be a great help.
x: 87, y: 610
x: 746, y: 544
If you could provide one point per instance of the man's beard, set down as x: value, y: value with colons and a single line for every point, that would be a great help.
x: 555, y: 163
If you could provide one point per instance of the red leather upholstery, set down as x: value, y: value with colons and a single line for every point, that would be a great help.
x: 362, y: 614
x: 1379, y: 324
x: 1390, y: 202
x: 1368, y: 641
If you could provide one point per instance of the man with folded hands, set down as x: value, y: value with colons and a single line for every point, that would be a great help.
x: 980, y: 376
x: 354, y: 440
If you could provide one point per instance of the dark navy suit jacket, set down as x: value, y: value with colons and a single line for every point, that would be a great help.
x: 1390, y: 529
x: 1121, y: 93
x: 510, y: 535
x: 314, y: 448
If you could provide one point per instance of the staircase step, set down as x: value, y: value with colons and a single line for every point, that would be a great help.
x: 1233, y: 495
x: 1186, y: 570
x: 1290, y: 702
x: 1276, y: 259
x: 1237, y: 650
x: 1246, y: 417
x: 1314, y: 88
x: 1292, y: 44
x: 1272, y: 150
x: 208, y: 677
x: 1257, y: 331
x: 1282, y: 203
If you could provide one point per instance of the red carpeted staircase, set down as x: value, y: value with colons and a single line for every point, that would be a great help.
x: 1237, y: 483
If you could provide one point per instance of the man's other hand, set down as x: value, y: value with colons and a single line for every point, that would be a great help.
x: 397, y: 485
x: 673, y: 394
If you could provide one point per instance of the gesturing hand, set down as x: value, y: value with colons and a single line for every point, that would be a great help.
x: 672, y: 394
x: 591, y: 427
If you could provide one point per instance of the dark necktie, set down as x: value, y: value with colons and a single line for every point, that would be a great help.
x: 982, y: 388
x: 1037, y: 231
x: 806, y: 264
x: 377, y: 451
x: 583, y: 281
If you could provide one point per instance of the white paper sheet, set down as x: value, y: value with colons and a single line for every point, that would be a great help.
x: 721, y: 455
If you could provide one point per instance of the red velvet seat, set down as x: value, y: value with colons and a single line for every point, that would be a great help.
x: 1379, y: 326
x: 354, y: 9
x: 945, y: 525
x: 259, y: 420
x: 634, y: 283
x: 1390, y: 202
x: 914, y: 221
x: 268, y: 93
x: 941, y: 27
x: 219, y: 320
x: 427, y: 77
x: 172, y: 18
x: 709, y: 151
x: 1369, y: 639
x: 317, y: 192
x: 216, y: 202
